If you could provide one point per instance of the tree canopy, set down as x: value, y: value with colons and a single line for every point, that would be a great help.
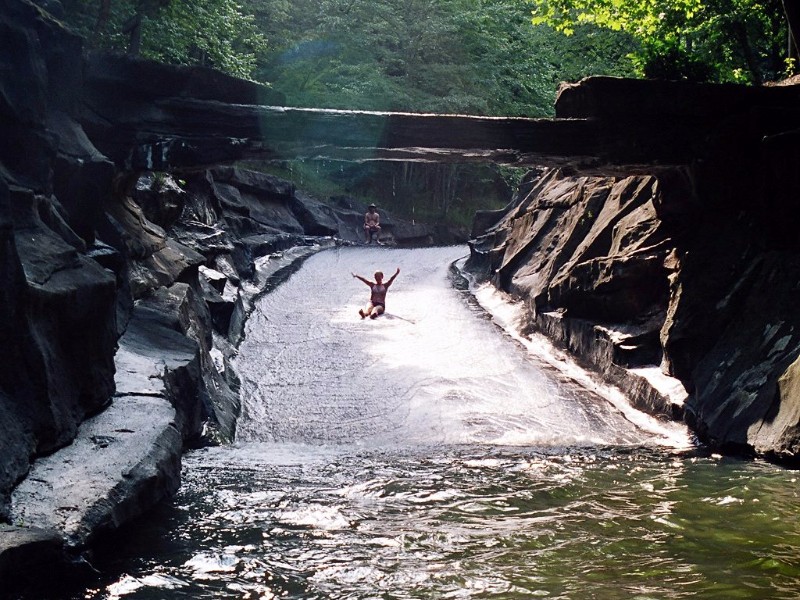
x: 709, y: 40
x: 452, y: 56
x: 456, y: 56
x: 217, y: 33
x: 488, y: 57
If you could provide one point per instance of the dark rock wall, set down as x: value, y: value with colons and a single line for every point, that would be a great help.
x: 58, y: 327
x: 18, y: 391
x: 684, y: 274
x: 592, y: 259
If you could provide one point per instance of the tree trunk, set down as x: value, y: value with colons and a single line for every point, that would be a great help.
x: 792, y: 10
x: 134, y: 30
x: 103, y: 16
x: 740, y: 31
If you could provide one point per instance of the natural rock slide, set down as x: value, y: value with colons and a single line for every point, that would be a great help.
x: 662, y: 252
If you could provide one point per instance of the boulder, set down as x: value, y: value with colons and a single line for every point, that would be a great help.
x: 315, y: 217
x: 214, y: 279
x: 220, y: 303
x: 160, y: 198
x: 121, y: 463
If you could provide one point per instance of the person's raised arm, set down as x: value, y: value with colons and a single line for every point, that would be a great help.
x: 359, y: 277
x: 391, y: 279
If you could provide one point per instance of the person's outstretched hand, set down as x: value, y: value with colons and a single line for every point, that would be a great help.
x: 398, y: 271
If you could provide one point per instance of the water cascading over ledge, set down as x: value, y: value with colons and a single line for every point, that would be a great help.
x: 721, y: 160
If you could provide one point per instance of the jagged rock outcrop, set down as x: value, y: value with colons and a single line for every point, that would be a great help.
x: 592, y: 260
x: 58, y: 326
x: 680, y: 284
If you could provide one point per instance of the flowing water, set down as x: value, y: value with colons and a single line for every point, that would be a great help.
x: 428, y: 454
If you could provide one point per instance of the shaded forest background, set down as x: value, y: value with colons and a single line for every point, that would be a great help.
x: 483, y: 57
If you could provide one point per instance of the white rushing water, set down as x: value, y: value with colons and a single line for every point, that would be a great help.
x: 433, y: 370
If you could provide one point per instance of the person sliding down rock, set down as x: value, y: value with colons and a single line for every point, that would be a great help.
x: 377, y: 300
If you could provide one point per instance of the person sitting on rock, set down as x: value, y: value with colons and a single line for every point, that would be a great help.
x: 372, y: 223
x: 377, y: 300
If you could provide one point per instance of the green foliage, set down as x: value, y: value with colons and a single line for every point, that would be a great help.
x: 671, y: 61
x: 159, y: 180
x: 512, y: 176
x: 450, y: 56
x: 84, y: 17
x: 707, y: 40
x: 209, y: 32
x: 642, y: 18
x: 446, y: 56
x: 590, y: 50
